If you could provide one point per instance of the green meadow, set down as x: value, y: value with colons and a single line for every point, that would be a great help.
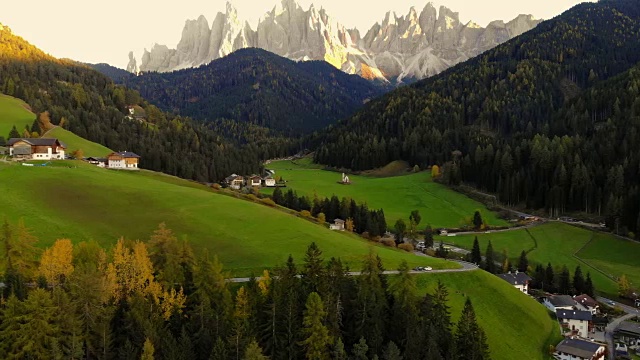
x: 517, y: 326
x: 75, y: 142
x: 603, y: 255
x: 78, y: 201
x: 14, y: 112
x: 398, y: 195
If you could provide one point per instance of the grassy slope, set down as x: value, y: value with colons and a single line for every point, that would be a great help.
x: 14, y: 112
x: 398, y: 196
x: 83, y: 202
x: 74, y: 142
x: 557, y: 243
x: 517, y: 326
x: 614, y: 256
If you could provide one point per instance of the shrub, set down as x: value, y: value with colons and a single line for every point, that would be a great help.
x: 389, y: 242
x: 406, y: 247
x: 430, y: 252
x: 366, y: 235
x: 305, y: 214
x: 268, y: 202
x: 216, y: 186
x: 251, y: 197
x: 321, y: 218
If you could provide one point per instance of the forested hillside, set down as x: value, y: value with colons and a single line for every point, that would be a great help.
x: 533, y: 120
x: 116, y: 74
x: 91, y: 106
x: 257, y: 87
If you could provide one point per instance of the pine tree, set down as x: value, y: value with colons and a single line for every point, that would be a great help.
x: 523, y: 263
x: 490, y: 265
x: 317, y: 341
x: 314, y: 279
x: 428, y: 236
x: 578, y: 281
x: 253, y: 352
x: 391, y: 352
x: 564, y: 281
x: 470, y: 340
x: 338, y: 352
x: 476, y: 256
x: 477, y: 220
x: 14, y: 133
x: 588, y: 286
x: 219, y: 351
x: 404, y: 329
x: 549, y: 279
x: 360, y: 350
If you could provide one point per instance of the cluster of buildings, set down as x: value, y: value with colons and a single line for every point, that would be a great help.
x: 123, y: 160
x: 54, y: 149
x: 237, y: 182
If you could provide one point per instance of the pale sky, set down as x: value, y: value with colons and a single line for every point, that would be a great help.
x: 85, y: 31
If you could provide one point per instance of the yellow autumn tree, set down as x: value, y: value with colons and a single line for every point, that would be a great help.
x: 322, y: 218
x: 131, y: 273
x: 147, y: 350
x: 348, y: 225
x: 435, y: 171
x: 264, y: 283
x: 56, y: 263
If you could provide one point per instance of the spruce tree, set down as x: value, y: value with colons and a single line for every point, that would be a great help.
x: 588, y: 286
x: 14, y: 133
x: 360, y: 350
x: 253, y: 352
x: 564, y: 281
x: 391, y: 352
x: 490, y: 265
x: 476, y: 255
x: 338, y: 352
x: 314, y: 279
x: 549, y: 279
x: 523, y: 263
x: 470, y: 339
x: 578, y: 281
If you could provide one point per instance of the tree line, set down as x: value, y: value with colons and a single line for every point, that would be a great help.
x: 156, y: 299
x: 558, y: 280
x: 359, y: 217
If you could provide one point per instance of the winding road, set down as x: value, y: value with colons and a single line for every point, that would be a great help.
x: 465, y: 267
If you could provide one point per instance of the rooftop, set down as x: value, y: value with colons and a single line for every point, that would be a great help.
x: 574, y: 315
x: 126, y: 154
x: 37, y: 142
x: 561, y: 300
x: 585, y: 300
x: 516, y: 278
x: 629, y: 327
x: 580, y: 348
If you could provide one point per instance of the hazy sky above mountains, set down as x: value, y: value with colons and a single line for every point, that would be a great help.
x: 85, y: 31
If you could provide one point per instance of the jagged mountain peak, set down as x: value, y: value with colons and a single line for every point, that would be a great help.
x: 400, y: 47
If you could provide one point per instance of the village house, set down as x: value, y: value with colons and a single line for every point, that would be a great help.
x: 628, y: 332
x: 99, y: 162
x: 255, y: 181
x: 586, y: 303
x: 338, y: 225
x: 576, y: 322
x: 123, y: 160
x: 577, y: 349
x: 559, y: 302
x: 518, y: 279
x: 236, y: 182
x: 36, y: 149
x: 269, y: 181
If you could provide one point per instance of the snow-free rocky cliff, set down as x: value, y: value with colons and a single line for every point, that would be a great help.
x: 399, y: 48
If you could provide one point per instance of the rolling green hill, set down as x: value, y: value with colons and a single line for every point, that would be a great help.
x: 75, y: 142
x: 14, y: 112
x: 603, y: 255
x: 517, y: 326
x: 397, y: 196
x: 81, y: 202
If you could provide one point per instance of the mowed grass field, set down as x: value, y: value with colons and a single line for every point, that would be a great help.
x: 398, y: 195
x: 81, y: 202
x: 14, y: 112
x: 517, y: 326
x: 603, y: 255
x: 614, y: 256
x: 75, y: 142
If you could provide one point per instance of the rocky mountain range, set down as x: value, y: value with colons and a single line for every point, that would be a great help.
x: 398, y: 49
